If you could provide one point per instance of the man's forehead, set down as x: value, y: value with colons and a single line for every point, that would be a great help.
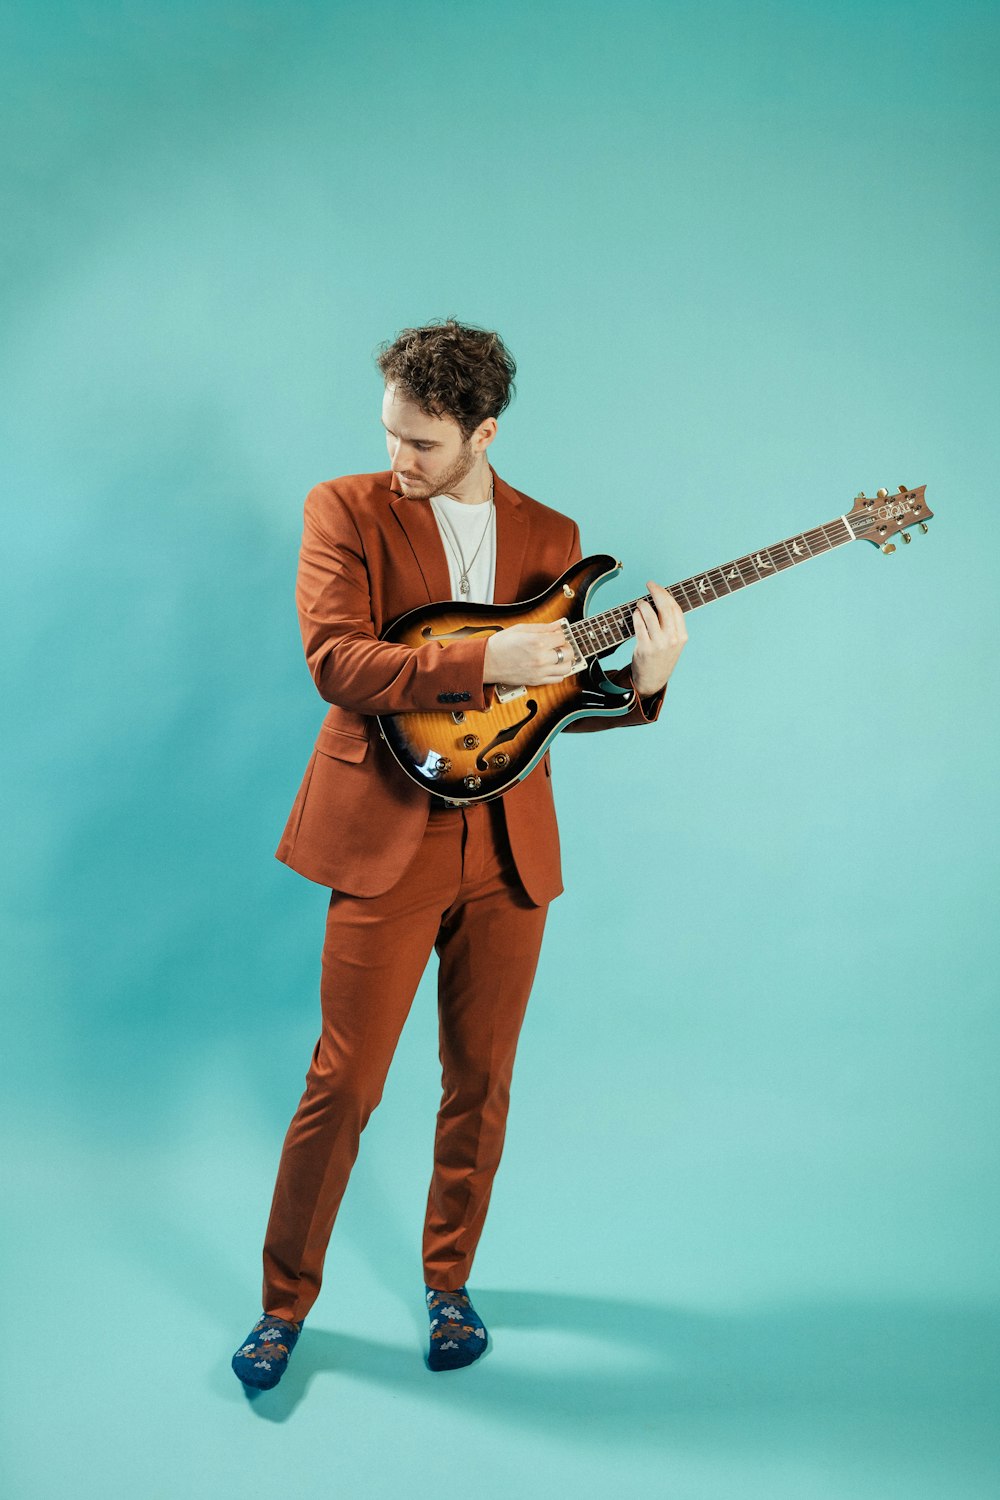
x: 406, y: 420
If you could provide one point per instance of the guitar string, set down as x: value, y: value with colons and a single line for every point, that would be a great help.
x: 816, y: 539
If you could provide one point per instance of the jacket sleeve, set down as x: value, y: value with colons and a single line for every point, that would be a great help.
x: 645, y: 711
x: 349, y: 664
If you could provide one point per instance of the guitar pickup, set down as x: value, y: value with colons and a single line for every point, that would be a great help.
x: 504, y: 692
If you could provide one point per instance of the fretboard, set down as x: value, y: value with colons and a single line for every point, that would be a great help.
x: 600, y: 632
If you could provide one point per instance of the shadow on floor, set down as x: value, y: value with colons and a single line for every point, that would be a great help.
x: 628, y: 1371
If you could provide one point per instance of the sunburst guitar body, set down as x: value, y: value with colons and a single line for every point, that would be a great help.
x: 464, y: 755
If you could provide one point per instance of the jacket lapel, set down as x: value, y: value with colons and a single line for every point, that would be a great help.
x: 512, y: 541
x: 417, y: 520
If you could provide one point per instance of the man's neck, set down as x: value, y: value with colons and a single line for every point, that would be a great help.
x: 475, y: 488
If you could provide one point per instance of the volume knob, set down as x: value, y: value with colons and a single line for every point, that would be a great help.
x: 441, y: 766
x: 471, y: 742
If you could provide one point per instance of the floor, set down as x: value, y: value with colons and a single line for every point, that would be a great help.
x: 683, y: 1300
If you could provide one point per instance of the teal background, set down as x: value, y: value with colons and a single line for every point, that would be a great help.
x: 744, y: 1238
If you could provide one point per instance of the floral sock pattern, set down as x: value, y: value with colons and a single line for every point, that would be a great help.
x: 263, y: 1359
x: 457, y: 1333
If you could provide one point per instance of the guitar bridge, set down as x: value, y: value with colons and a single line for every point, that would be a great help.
x: 504, y: 693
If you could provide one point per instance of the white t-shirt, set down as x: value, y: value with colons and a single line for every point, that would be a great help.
x: 467, y: 524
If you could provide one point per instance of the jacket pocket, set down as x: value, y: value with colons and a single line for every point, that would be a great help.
x: 341, y: 745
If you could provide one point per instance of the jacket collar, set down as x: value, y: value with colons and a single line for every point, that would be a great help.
x: 417, y: 520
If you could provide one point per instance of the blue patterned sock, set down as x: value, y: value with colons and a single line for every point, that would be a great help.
x: 457, y: 1333
x: 263, y: 1359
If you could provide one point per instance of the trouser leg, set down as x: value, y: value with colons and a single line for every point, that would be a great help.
x: 488, y: 946
x: 374, y: 954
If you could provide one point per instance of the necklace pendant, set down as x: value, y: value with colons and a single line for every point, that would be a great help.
x: 463, y: 584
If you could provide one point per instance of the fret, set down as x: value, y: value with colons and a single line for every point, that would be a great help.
x: 686, y: 594
x: 824, y: 536
x: 797, y: 548
x: 593, y: 639
x: 592, y: 636
x: 705, y: 588
x: 622, y: 621
x: 738, y: 570
x: 780, y: 557
x: 611, y: 629
x: 602, y: 631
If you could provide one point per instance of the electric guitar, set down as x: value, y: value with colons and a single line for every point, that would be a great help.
x: 469, y: 756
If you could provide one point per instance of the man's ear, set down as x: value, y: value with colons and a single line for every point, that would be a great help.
x: 485, y: 433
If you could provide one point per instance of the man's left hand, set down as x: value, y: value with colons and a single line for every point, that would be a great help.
x: 660, y: 635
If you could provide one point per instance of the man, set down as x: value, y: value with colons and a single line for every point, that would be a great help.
x: 408, y: 872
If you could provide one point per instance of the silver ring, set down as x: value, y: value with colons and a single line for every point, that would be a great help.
x: 559, y: 653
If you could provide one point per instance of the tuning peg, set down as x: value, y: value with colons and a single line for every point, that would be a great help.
x: 881, y: 494
x: 861, y: 495
x: 887, y: 547
x: 907, y: 537
x: 903, y: 490
x: 924, y: 527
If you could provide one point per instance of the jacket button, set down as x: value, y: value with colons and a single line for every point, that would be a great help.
x: 462, y: 697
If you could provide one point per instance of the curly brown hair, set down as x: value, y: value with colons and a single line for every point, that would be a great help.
x: 451, y: 369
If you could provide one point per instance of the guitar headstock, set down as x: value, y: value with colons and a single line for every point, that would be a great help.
x: 879, y: 518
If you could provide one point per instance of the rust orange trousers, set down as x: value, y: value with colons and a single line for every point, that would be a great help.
x: 462, y: 897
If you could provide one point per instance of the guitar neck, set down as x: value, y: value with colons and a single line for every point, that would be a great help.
x: 597, y: 633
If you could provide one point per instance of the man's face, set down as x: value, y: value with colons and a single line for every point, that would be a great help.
x: 429, y: 455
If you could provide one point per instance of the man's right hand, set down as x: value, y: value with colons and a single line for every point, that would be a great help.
x: 525, y: 655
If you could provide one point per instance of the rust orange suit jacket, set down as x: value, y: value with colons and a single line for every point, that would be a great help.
x: 369, y: 554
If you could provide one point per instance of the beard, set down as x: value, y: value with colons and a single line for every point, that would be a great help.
x: 447, y: 479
